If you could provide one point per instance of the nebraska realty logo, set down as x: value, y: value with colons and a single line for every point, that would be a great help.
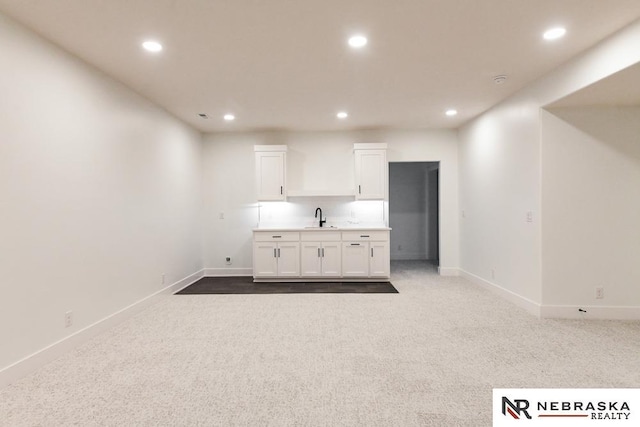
x: 566, y: 407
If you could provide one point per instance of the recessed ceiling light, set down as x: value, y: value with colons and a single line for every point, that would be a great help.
x: 451, y: 112
x: 554, y: 33
x: 357, y: 41
x: 152, y: 46
x: 342, y: 115
x: 229, y: 117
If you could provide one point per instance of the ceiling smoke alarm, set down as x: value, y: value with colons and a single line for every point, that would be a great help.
x: 499, y: 79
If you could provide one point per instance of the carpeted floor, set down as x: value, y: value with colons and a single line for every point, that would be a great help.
x: 427, y: 356
x: 246, y: 285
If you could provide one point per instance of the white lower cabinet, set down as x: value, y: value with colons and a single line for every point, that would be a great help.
x: 355, y: 259
x: 365, y: 254
x: 276, y: 255
x: 365, y: 259
x: 276, y: 259
x: 265, y: 262
x: 320, y: 259
x: 321, y: 254
x: 379, y: 260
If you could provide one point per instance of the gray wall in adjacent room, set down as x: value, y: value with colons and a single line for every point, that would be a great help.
x: 413, y: 210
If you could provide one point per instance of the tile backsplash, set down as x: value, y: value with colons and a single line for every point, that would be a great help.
x: 339, y: 211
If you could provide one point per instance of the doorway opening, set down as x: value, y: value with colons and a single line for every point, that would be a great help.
x: 414, y: 211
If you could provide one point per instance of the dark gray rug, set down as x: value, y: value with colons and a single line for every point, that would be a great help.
x: 245, y: 285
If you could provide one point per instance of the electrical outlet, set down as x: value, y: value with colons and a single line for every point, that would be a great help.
x: 599, y: 293
x: 68, y: 319
x: 221, y: 216
x: 464, y: 214
x: 227, y: 260
x: 493, y: 273
x: 163, y: 279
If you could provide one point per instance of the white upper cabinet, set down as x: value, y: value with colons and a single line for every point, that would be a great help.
x: 271, y: 172
x: 371, y: 171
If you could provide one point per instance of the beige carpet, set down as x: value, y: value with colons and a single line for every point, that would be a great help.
x: 428, y: 356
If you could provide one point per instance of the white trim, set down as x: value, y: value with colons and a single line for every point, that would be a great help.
x: 370, y: 146
x: 269, y: 148
x: 322, y: 193
x: 51, y: 352
x: 226, y: 272
x: 448, y: 271
x: 522, y: 302
x: 592, y: 312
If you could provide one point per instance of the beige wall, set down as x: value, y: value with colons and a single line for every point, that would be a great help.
x: 501, y: 172
x: 100, y: 195
x: 591, y: 203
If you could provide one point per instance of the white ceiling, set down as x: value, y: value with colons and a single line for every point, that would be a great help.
x: 284, y: 64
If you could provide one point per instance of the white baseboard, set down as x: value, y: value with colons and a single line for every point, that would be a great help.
x: 591, y: 312
x: 41, y: 357
x: 224, y: 272
x: 448, y: 271
x: 525, y: 303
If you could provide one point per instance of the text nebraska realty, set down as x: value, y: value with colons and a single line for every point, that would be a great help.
x: 599, y: 410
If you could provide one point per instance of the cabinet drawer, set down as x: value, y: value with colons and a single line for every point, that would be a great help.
x: 355, y: 236
x: 320, y: 236
x: 274, y: 236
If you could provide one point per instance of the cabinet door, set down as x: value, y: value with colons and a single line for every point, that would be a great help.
x: 379, y: 259
x: 310, y: 259
x: 355, y: 259
x: 331, y: 259
x: 270, y: 175
x: 289, y: 259
x: 371, y: 174
x: 265, y: 261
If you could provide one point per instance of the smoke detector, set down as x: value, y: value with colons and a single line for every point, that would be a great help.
x: 500, y: 79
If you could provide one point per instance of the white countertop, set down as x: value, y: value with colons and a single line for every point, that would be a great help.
x: 354, y: 227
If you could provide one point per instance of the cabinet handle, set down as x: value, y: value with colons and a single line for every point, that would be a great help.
x: 274, y: 253
x: 355, y: 244
x: 318, y: 252
x: 322, y: 252
x: 276, y: 237
x: 359, y: 189
x: 364, y: 236
x: 278, y: 252
x: 281, y: 189
x: 371, y: 252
